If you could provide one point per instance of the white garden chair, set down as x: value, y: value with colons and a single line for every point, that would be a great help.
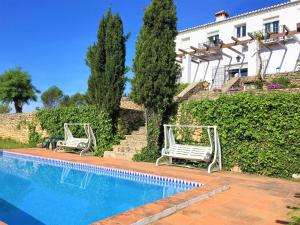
x: 85, y: 144
x: 210, y: 154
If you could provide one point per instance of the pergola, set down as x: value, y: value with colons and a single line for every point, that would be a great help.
x: 208, y: 53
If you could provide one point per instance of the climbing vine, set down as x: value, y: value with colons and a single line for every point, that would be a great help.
x: 34, y: 137
x: 259, y: 133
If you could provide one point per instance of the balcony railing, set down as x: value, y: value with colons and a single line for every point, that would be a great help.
x: 215, y: 43
x: 265, y: 35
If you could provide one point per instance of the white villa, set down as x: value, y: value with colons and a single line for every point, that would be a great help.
x: 227, y: 48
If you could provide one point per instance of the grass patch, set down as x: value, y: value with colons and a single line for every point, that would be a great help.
x: 9, y: 144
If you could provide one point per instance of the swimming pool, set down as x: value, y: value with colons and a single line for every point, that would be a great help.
x: 37, y: 190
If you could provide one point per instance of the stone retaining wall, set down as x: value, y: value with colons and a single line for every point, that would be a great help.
x: 9, y: 126
x: 294, y: 77
x: 131, y: 118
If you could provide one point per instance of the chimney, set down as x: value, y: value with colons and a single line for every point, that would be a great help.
x: 222, y: 15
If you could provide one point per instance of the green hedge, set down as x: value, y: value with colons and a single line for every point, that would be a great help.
x: 259, y: 133
x: 52, y: 120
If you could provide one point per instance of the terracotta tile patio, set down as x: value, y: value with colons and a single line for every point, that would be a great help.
x: 250, y: 199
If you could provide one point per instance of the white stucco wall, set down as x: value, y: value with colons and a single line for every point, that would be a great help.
x: 280, y: 60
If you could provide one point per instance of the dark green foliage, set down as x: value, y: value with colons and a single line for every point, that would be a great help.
x: 52, y: 97
x: 16, y: 87
x: 74, y: 100
x: 259, y: 133
x: 106, y: 58
x: 96, y: 59
x: 4, y: 108
x: 283, y: 81
x: 112, y: 85
x: 52, y: 120
x: 155, y: 70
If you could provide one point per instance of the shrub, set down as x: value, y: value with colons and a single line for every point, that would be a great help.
x: 283, y: 81
x: 52, y: 120
x: 259, y: 133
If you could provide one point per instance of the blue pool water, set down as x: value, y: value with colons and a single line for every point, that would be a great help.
x: 41, y: 192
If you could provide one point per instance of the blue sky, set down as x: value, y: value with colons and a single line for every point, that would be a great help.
x: 49, y: 38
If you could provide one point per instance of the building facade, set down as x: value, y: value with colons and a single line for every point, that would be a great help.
x: 266, y: 40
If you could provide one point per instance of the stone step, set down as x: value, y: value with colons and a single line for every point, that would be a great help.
x: 133, y: 143
x: 230, y: 83
x: 139, y: 132
x: 136, y: 137
x: 119, y: 148
x: 119, y: 155
x: 191, y: 89
x: 142, y: 129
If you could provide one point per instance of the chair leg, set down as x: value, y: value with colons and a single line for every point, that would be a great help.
x: 157, y: 161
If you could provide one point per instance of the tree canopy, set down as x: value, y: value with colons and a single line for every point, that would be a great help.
x: 16, y: 87
x: 74, y: 100
x: 52, y: 97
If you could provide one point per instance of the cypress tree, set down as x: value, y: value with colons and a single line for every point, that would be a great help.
x: 106, y: 58
x: 113, y: 82
x: 155, y: 70
x: 96, y: 59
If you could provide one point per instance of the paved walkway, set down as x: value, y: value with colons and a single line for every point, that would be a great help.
x: 250, y: 199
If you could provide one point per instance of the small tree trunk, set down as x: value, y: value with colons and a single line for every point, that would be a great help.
x: 154, y: 138
x: 260, y: 74
x: 18, y: 107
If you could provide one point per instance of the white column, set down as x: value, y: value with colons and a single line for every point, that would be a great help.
x: 186, y: 71
x: 252, y: 58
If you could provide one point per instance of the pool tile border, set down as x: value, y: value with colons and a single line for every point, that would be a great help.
x: 120, y: 173
x: 155, y: 211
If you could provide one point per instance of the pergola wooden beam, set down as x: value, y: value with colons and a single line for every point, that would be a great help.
x: 192, y: 54
x: 265, y: 45
x: 237, y: 41
x: 183, y: 51
x: 259, y: 41
x: 236, y: 51
x: 212, y: 50
x: 244, y: 42
x: 194, y: 61
x: 199, y: 57
x: 291, y: 33
x: 282, y: 45
x: 222, y: 53
x: 206, y: 46
x: 179, y: 61
x: 194, y: 48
